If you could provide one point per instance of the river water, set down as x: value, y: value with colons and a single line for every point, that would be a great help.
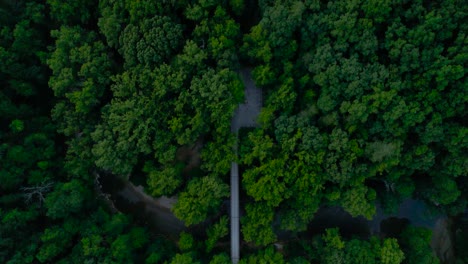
x: 410, y: 211
x: 146, y: 210
x: 156, y: 214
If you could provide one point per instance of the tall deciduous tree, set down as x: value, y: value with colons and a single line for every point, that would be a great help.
x: 200, y: 199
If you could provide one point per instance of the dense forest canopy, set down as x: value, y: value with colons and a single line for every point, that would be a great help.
x: 364, y: 104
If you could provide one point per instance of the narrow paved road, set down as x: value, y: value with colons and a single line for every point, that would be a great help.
x: 245, y: 116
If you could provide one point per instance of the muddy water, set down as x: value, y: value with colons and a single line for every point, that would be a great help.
x: 155, y: 213
x: 410, y: 211
x: 158, y: 211
x: 414, y: 211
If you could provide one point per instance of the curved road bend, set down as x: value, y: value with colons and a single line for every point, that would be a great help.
x: 244, y: 116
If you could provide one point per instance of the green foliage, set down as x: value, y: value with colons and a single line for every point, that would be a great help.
x: 360, y: 252
x: 135, y: 118
x: 266, y: 183
x: 333, y: 255
x: 55, y: 241
x: 354, y: 92
x: 23, y: 161
x: 80, y: 73
x: 216, y: 232
x: 390, y: 252
x: 218, y: 155
x: 67, y: 198
x: 200, y: 199
x: 332, y: 239
x: 237, y: 6
x: 192, y: 59
x: 267, y: 256
x: 269, y: 39
x: 256, y: 226
x: 163, y: 182
x: 186, y: 242
x: 377, y: 10
x: 159, y: 250
x: 212, y: 95
x: 17, y: 126
x: 416, y: 244
x: 50, y: 213
x: 111, y: 239
x: 221, y: 259
x: 357, y: 202
x: 119, y: 249
x: 150, y: 42
x: 332, y: 248
x: 219, y: 33
x: 138, y: 237
x: 111, y: 21
x: 185, y: 258
x: 72, y: 12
